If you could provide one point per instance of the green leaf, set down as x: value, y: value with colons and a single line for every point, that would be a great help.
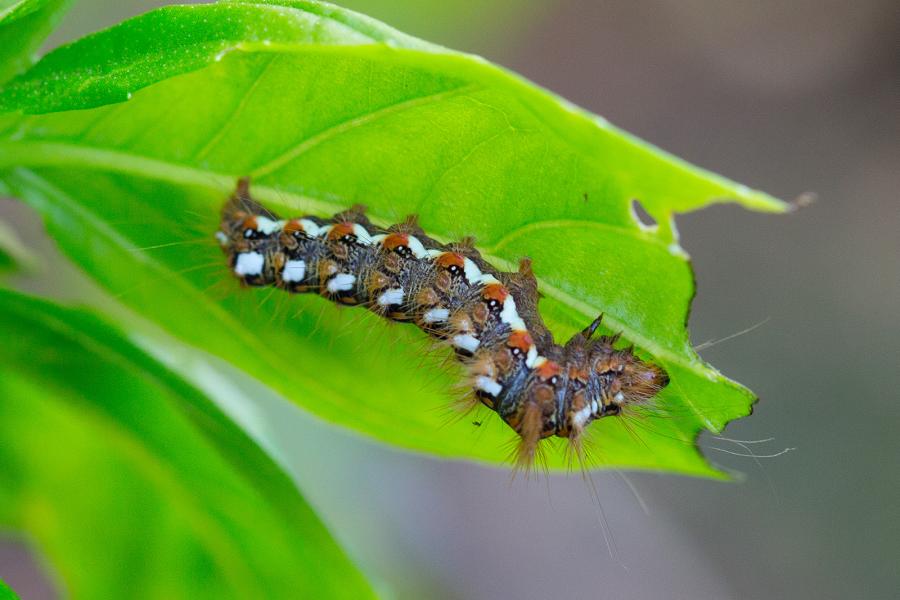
x: 109, y: 66
x: 23, y: 26
x: 134, y: 484
x: 329, y: 109
x: 6, y: 592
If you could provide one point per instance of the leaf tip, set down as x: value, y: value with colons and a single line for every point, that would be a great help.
x: 761, y: 201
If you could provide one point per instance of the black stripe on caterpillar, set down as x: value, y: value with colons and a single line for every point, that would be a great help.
x: 490, y: 318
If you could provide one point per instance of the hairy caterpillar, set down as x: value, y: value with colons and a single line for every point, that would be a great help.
x: 490, y: 318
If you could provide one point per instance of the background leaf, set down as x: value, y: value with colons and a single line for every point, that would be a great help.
x: 131, y: 192
x: 23, y: 26
x: 6, y: 593
x: 134, y: 484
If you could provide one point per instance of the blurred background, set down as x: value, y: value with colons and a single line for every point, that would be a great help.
x: 791, y: 97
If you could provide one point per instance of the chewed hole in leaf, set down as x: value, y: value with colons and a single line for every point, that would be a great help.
x: 641, y: 217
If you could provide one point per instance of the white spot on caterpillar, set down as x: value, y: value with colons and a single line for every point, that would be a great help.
x: 310, y: 228
x: 436, y: 315
x: 473, y: 273
x: 223, y: 239
x: 434, y: 252
x: 538, y: 362
x: 267, y: 226
x: 486, y: 384
x: 362, y: 236
x: 417, y: 248
x: 531, y: 357
x: 294, y: 271
x: 379, y: 239
x: 487, y: 279
x: 581, y: 417
x: 619, y: 398
x: 249, y: 263
x: 466, y: 341
x: 510, y: 316
x: 342, y: 282
x: 391, y: 296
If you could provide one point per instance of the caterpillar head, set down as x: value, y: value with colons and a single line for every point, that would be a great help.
x: 624, y: 379
x: 604, y: 380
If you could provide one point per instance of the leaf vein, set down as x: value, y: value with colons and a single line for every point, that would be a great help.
x: 236, y: 113
x: 529, y: 228
x: 350, y: 124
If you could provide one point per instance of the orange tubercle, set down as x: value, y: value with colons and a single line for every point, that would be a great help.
x: 548, y: 369
x: 395, y: 240
x: 450, y: 259
x: 495, y: 291
x: 339, y: 230
x: 521, y: 340
x: 293, y: 226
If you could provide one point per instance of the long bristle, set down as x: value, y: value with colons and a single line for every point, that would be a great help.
x: 575, y: 449
x: 530, y: 434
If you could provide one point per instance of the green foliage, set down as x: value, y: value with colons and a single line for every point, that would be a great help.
x: 6, y: 592
x: 23, y: 26
x: 325, y: 108
x: 134, y: 483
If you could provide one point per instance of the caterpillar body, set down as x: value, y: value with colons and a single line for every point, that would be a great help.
x: 490, y: 318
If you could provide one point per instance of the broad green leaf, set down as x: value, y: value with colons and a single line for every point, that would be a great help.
x: 327, y: 109
x: 6, y: 592
x: 109, y: 66
x: 23, y: 26
x: 133, y: 483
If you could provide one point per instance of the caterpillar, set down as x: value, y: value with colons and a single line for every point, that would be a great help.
x: 489, y: 318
